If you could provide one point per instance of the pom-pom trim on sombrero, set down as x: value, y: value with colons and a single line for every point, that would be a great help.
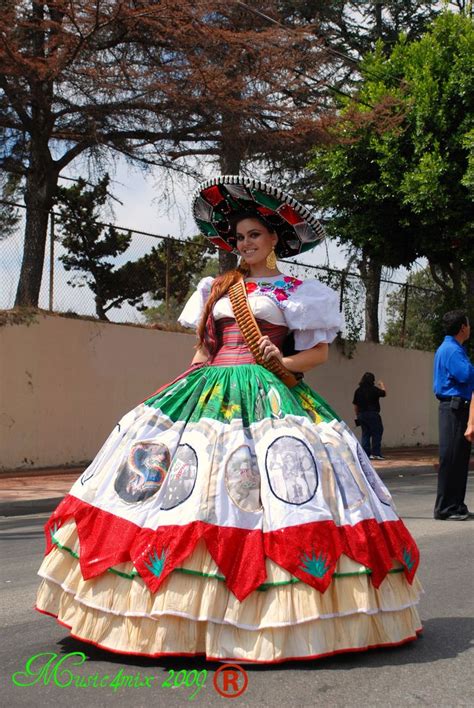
x: 220, y: 197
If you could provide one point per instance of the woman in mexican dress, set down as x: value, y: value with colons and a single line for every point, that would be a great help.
x: 229, y: 515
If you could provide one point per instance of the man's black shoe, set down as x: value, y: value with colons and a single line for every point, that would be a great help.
x: 464, y: 510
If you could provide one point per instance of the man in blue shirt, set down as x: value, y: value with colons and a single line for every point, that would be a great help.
x: 453, y: 385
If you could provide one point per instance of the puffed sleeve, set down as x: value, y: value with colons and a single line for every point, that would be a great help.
x: 194, y: 307
x: 312, y: 313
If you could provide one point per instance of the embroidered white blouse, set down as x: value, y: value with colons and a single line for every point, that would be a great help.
x: 308, y: 308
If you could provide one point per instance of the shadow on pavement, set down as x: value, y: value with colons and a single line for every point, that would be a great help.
x: 442, y: 638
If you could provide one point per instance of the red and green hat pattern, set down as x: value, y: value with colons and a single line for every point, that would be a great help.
x: 218, y: 198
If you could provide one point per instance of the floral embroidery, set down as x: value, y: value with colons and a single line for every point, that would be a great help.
x: 278, y: 290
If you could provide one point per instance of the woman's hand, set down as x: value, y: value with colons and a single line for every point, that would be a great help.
x: 269, y: 350
x: 201, y: 356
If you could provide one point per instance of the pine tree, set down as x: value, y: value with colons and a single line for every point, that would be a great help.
x: 92, y: 245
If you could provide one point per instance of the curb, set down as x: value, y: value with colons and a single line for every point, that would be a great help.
x: 42, y: 472
x: 30, y: 506
x: 391, y: 472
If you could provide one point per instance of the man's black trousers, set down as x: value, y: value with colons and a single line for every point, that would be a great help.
x: 454, y: 454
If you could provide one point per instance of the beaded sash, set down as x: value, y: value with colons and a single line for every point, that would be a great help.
x: 251, y: 333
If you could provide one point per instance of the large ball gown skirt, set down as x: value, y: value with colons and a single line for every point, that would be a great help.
x: 231, y: 517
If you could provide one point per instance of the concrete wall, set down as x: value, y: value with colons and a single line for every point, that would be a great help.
x: 409, y: 411
x: 65, y: 382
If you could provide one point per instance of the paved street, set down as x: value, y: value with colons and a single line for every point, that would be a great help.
x: 436, y: 670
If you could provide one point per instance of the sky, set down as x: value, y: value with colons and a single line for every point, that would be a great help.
x: 143, y: 208
x: 139, y: 203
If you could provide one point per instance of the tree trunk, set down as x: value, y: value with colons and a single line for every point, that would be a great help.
x: 378, y: 19
x: 470, y: 287
x: 230, y: 161
x: 371, y: 272
x: 470, y: 308
x: 41, y: 176
x: 100, y: 308
x: 41, y: 184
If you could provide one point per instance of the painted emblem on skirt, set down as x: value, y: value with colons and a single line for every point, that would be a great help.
x: 181, y: 477
x: 291, y: 470
x: 242, y: 479
x: 375, y: 482
x: 351, y: 494
x: 143, y: 473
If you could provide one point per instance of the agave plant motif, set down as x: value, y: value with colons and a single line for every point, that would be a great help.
x: 316, y: 566
x: 408, y: 559
x: 54, y: 530
x: 157, y: 563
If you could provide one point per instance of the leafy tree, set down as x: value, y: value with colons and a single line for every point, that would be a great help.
x: 396, y: 179
x: 353, y: 27
x: 412, y: 313
x: 9, y: 214
x: 427, y: 161
x: 91, y: 247
x: 161, y: 83
x: 349, y: 289
x: 175, y: 267
x: 169, y: 311
x: 166, y: 272
x: 165, y: 312
x: 361, y: 212
x: 348, y: 30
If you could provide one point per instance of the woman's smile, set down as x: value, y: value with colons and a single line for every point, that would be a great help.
x: 254, y: 241
x: 249, y: 251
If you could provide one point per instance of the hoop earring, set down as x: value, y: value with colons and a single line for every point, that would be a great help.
x: 271, y: 260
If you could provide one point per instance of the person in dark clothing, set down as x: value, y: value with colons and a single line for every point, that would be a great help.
x: 367, y: 410
x: 453, y: 385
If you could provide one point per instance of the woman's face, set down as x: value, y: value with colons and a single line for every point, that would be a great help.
x: 254, y: 240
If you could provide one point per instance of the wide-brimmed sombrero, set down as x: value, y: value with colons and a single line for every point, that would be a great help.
x: 219, y: 198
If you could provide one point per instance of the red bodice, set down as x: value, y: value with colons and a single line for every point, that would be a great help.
x: 231, y: 347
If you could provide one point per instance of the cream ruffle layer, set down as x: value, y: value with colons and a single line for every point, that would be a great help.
x: 194, y: 614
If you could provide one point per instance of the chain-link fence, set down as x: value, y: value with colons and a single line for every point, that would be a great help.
x: 131, y: 296
x: 121, y: 289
